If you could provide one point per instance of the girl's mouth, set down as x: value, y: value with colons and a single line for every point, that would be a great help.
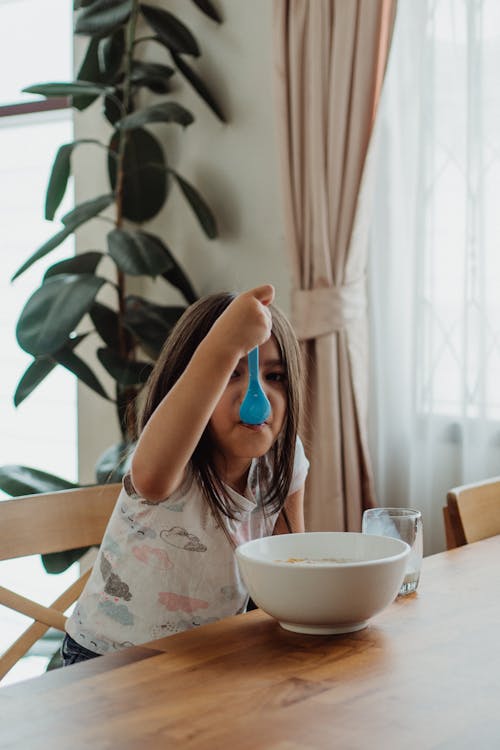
x: 254, y: 427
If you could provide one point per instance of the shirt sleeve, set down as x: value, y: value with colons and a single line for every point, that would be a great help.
x: 300, y: 468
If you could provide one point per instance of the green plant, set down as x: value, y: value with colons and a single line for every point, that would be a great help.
x: 64, y: 310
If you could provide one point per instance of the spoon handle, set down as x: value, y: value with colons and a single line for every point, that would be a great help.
x: 253, y: 364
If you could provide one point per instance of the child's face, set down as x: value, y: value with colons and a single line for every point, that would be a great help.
x: 235, y: 439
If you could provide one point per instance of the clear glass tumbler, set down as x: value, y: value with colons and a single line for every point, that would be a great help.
x: 400, y: 523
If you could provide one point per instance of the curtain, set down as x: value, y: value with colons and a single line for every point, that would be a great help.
x: 435, y: 260
x: 330, y: 61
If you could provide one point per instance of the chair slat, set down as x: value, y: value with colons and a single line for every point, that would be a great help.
x: 40, y: 524
x: 31, y: 609
x: 56, y: 521
x: 37, y: 630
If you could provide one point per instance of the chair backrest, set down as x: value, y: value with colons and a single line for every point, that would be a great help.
x: 43, y: 523
x: 472, y: 512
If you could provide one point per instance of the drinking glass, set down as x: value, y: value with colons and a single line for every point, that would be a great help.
x: 400, y: 523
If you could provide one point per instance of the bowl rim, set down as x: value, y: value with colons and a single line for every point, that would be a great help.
x: 242, y: 554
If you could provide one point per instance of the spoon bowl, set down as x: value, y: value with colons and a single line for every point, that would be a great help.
x: 255, y: 407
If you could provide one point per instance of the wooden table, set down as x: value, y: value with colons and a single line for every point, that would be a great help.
x: 424, y: 674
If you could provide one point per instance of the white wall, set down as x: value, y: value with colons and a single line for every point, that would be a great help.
x: 234, y: 165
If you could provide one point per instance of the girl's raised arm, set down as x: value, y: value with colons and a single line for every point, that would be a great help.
x: 175, y: 427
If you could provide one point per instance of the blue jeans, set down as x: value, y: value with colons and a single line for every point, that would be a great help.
x: 72, y: 652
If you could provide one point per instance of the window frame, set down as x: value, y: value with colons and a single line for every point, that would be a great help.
x: 32, y: 107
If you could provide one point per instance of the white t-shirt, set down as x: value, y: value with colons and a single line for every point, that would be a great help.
x: 166, y: 567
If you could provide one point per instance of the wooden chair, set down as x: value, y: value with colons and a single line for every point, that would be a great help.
x: 472, y: 512
x: 43, y: 523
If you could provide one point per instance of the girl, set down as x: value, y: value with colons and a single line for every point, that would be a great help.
x: 201, y: 481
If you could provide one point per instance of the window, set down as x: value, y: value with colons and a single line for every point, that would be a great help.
x: 43, y: 28
x: 41, y: 432
x: 434, y: 258
x: 459, y: 304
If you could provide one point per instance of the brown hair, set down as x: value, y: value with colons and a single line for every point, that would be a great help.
x: 175, y: 356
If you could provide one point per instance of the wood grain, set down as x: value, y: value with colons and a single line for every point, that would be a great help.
x: 424, y: 674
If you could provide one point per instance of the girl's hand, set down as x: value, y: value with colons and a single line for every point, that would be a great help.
x: 246, y: 323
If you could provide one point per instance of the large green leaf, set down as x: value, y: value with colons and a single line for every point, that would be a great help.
x: 198, y: 85
x: 46, y: 248
x: 206, y: 7
x: 114, y: 463
x: 87, y: 210
x: 178, y: 278
x: 101, y: 63
x: 202, y: 212
x: 54, y: 310
x: 59, y: 176
x: 18, y: 480
x: 72, y: 221
x: 171, y: 32
x: 145, y: 178
x: 83, y: 263
x: 78, y: 367
x: 103, y: 17
x: 138, y: 253
x: 113, y: 107
x: 89, y: 71
x: 124, y: 371
x: 58, y: 562
x: 89, y: 68
x: 58, y: 180
x: 77, y: 4
x: 150, y: 323
x: 38, y: 371
x: 110, y: 55
x: 152, y: 75
x: 107, y: 324
x: 166, y: 112
x: 73, y: 88
x: 33, y: 376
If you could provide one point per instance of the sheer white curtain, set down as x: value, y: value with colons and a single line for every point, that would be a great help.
x: 435, y: 258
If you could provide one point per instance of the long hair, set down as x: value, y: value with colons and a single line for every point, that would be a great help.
x: 175, y: 356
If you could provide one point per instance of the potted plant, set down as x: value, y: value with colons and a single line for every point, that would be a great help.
x: 65, y: 309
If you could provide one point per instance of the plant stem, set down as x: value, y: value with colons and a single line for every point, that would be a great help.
x: 127, y: 106
x: 125, y: 397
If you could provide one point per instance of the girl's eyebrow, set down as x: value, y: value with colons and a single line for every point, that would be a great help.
x: 277, y: 362
x: 273, y: 363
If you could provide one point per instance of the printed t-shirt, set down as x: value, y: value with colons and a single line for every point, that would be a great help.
x: 167, y: 567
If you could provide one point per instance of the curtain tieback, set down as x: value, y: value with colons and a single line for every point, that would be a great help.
x: 318, y: 312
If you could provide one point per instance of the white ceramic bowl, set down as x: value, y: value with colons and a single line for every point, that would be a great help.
x: 353, y: 577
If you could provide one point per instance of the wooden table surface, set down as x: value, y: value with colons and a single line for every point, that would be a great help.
x: 425, y: 673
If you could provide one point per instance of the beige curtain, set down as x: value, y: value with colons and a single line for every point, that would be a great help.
x: 330, y: 62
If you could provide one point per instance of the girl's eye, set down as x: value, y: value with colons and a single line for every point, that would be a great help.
x: 276, y: 377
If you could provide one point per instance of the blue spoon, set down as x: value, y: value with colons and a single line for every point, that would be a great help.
x: 255, y: 407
